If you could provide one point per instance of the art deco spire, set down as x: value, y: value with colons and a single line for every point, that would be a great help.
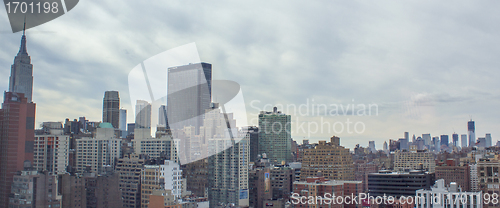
x: 22, y: 49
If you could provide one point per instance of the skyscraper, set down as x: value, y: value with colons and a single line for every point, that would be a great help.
x: 371, y: 146
x: 162, y: 117
x: 274, y: 136
x: 188, y: 95
x: 111, y: 108
x: 21, y: 74
x: 455, y: 139
x: 142, y: 115
x: 464, y: 140
x: 471, y: 128
x: 444, y: 140
x: 427, y: 139
x: 488, y: 140
x: 123, y: 123
x: 17, y: 122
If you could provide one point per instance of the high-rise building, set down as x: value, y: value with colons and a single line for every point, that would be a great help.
x: 189, y: 94
x: 166, y: 176
x: 471, y: 129
x: 386, y: 148
x: 228, y: 170
x: 111, y: 108
x: 427, y: 139
x: 51, y: 150
x: 142, y: 115
x: 371, y: 146
x: 99, y: 153
x: 129, y: 170
x: 123, y: 123
x: 21, y: 74
x: 275, y: 136
x: 334, y: 161
x: 17, y: 122
x: 437, y: 144
x: 33, y: 189
x: 463, y: 138
x: 411, y: 160
x: 162, y: 117
x: 253, y: 136
x: 444, y: 140
x: 455, y: 139
x: 488, y: 140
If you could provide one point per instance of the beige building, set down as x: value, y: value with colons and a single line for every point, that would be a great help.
x: 334, y: 161
x: 411, y: 160
x: 488, y: 176
x: 98, y: 153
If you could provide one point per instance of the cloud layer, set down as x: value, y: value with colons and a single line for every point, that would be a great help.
x: 428, y: 65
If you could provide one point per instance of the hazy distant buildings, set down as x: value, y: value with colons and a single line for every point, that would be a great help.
x: 488, y: 140
x: 444, y: 140
x: 275, y: 136
x: 471, y: 129
x: 427, y: 139
x: 189, y: 94
x: 386, y: 148
x: 111, y: 108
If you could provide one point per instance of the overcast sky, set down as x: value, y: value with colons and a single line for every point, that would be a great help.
x: 429, y: 66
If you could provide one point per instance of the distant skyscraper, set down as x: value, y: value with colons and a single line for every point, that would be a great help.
x: 488, y: 140
x: 274, y: 136
x: 371, y: 146
x: 444, y: 140
x: 111, y: 108
x: 437, y: 145
x: 123, y: 123
x: 17, y: 122
x: 464, y: 140
x: 21, y: 74
x: 471, y: 128
x: 427, y: 139
x: 386, y: 148
x: 455, y: 139
x: 189, y: 94
x: 142, y: 115
x: 162, y: 117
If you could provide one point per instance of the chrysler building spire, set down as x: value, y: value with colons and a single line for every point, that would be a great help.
x: 21, y: 72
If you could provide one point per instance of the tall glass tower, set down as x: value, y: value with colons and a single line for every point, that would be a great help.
x: 471, y: 128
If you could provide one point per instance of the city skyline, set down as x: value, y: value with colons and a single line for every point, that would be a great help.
x: 430, y: 87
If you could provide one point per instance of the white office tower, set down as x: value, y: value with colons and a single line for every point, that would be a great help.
x: 172, y: 173
x: 488, y: 140
x: 98, y: 153
x: 228, y: 163
x: 471, y: 128
x: 386, y: 148
x: 142, y: 115
x: 427, y: 139
x: 123, y: 123
x: 51, y: 151
x: 463, y: 138
x: 474, y: 179
x: 447, y: 197
x: 371, y: 146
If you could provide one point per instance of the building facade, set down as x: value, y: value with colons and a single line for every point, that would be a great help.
x: 111, y: 108
x: 275, y: 136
